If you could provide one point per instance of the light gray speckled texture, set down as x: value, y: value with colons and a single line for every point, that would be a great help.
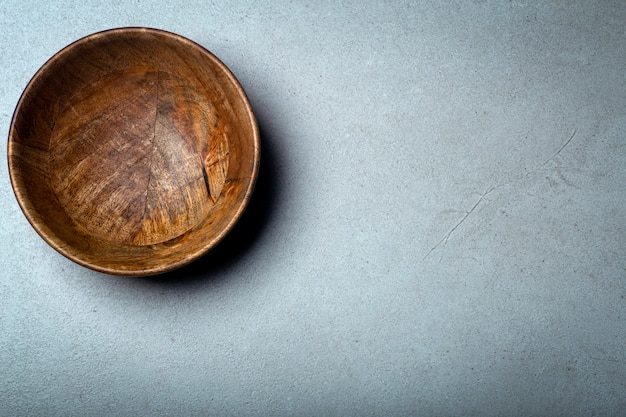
x: 421, y: 240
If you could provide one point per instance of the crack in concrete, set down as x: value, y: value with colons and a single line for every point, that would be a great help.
x: 445, y: 238
x: 560, y: 149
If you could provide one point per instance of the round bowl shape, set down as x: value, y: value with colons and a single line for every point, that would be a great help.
x: 133, y: 151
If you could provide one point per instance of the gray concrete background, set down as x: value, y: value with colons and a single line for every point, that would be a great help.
x: 439, y: 226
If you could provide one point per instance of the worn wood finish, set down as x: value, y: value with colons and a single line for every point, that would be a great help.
x: 133, y: 151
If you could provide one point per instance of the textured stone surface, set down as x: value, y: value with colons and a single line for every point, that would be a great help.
x: 439, y: 226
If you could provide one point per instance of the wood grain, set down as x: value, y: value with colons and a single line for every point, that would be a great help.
x: 133, y: 151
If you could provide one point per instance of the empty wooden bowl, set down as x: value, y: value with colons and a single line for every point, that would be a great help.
x: 133, y: 151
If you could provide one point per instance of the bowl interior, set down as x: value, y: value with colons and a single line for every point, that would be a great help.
x: 133, y: 151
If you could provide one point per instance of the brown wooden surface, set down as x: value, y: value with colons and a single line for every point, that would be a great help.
x: 133, y: 151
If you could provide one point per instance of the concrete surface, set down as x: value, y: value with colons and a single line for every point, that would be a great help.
x: 439, y: 227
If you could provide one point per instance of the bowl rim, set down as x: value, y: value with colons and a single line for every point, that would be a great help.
x: 57, y: 243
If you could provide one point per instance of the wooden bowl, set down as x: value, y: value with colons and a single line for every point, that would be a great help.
x: 133, y: 151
